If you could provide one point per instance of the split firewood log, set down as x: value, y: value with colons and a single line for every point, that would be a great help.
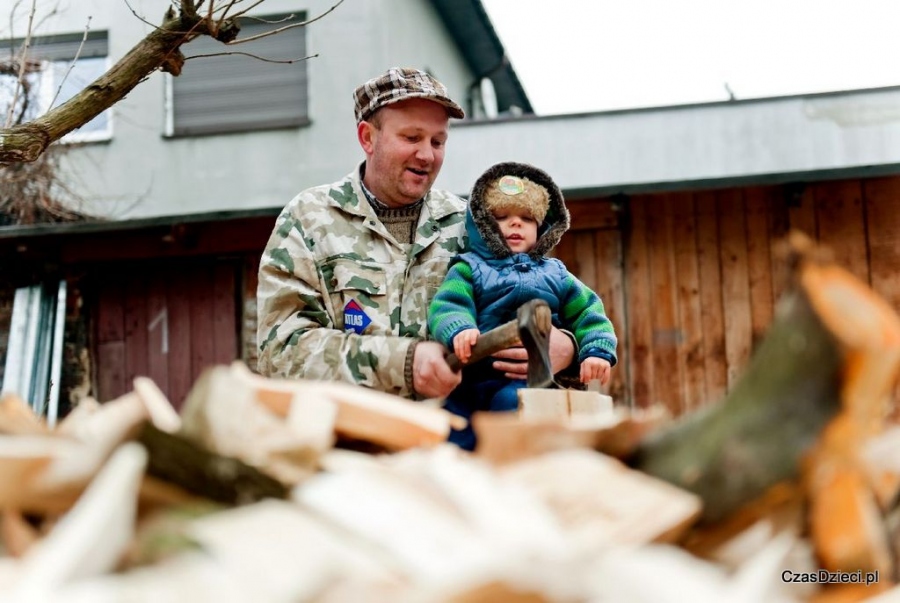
x: 161, y: 533
x: 75, y: 451
x: 268, y: 551
x: 17, y: 417
x: 91, y: 538
x: 29, y: 467
x: 159, y: 409
x: 508, y: 437
x: 156, y: 494
x: 16, y: 533
x: 541, y: 403
x: 92, y: 432
x: 603, y: 503
x: 502, y: 511
x: 241, y: 539
x: 667, y: 574
x: 47, y: 474
x: 363, y: 414
x: 73, y: 422
x: 847, y: 494
x: 222, y: 414
x: 106, y: 425
x: 415, y: 529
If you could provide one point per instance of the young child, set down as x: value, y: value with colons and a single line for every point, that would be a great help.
x: 516, y: 216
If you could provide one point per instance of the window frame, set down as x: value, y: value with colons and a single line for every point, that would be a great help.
x: 62, y: 51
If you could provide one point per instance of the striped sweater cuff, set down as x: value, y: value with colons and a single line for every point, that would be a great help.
x: 408, y: 368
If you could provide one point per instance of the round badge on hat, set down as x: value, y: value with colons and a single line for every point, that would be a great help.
x: 510, y: 185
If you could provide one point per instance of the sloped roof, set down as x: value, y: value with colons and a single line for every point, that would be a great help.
x: 470, y: 27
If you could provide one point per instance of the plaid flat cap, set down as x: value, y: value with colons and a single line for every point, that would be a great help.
x: 398, y: 84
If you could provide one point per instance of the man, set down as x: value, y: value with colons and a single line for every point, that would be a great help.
x: 351, y: 267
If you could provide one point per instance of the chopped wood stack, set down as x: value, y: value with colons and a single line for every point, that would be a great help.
x: 259, y: 489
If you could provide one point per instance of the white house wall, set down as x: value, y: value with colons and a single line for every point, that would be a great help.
x: 671, y: 147
x: 140, y: 173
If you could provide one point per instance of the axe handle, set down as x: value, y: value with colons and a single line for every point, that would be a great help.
x: 488, y: 344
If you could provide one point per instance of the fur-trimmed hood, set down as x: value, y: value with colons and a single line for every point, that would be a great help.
x: 485, y: 237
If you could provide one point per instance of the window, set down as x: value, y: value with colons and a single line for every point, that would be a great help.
x: 238, y: 93
x: 58, y: 76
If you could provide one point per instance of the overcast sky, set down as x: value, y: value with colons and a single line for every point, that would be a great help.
x: 594, y: 55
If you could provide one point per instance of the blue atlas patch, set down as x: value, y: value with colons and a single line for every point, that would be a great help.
x: 354, y: 318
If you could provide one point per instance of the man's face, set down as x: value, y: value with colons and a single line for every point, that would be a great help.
x: 519, y: 229
x: 404, y: 146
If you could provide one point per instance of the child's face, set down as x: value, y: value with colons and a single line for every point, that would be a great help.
x: 519, y: 229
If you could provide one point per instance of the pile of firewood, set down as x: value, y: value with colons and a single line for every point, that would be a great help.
x: 284, y: 491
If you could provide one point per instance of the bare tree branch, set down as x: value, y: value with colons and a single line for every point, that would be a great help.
x: 188, y: 9
x: 46, y: 16
x: 23, y: 60
x: 12, y: 18
x: 87, y: 29
x: 139, y: 17
x: 211, y: 28
x: 270, y: 21
x: 12, y: 70
x: 280, y: 29
x: 224, y: 10
x: 159, y: 50
x: 252, y: 56
x: 245, y: 10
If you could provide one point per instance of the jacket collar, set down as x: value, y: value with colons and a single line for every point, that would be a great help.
x: 351, y: 198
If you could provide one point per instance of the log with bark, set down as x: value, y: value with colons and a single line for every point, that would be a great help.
x: 817, y: 390
x: 178, y: 460
x: 807, y: 368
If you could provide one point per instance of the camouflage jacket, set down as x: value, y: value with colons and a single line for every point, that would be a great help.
x: 339, y: 299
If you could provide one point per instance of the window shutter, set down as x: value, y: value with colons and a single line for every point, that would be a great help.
x: 234, y: 93
x: 63, y: 47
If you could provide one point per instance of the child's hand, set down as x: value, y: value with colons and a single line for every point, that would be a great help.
x: 463, y: 342
x: 595, y: 368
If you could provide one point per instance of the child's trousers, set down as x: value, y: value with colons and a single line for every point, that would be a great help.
x: 482, y: 389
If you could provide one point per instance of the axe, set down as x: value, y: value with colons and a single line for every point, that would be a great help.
x: 531, y: 328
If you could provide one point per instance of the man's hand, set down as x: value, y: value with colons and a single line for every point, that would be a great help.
x: 432, y: 377
x: 463, y: 342
x: 514, y: 361
x: 595, y: 368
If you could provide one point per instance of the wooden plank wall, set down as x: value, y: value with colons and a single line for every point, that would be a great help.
x: 690, y: 279
x: 164, y: 321
x: 592, y: 250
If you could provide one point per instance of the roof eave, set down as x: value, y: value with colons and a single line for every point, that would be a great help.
x: 471, y: 29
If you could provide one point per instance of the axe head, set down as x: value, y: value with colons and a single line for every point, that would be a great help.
x: 534, y: 331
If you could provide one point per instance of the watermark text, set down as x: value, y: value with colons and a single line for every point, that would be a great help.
x: 826, y: 577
